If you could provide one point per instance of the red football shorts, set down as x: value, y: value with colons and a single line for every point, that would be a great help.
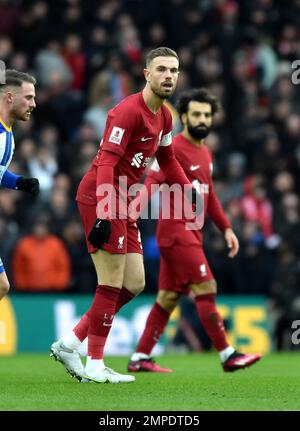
x: 125, y: 237
x: 181, y: 265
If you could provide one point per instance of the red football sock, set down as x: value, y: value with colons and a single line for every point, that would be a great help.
x: 101, y: 316
x: 155, y: 325
x: 211, y: 320
x: 81, y: 329
x: 124, y: 297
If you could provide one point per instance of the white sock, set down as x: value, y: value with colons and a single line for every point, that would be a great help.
x: 93, y: 365
x: 136, y: 356
x: 71, y: 341
x: 224, y: 354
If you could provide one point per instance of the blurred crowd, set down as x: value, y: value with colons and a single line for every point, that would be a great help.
x: 89, y: 55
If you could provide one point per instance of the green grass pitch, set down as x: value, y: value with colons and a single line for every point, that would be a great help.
x: 36, y: 382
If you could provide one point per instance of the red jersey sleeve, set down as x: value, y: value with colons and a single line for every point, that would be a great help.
x: 214, y: 208
x: 105, y: 176
x: 120, y: 123
x: 170, y: 166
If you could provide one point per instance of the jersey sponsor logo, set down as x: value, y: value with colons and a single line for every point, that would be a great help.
x: 137, y: 160
x: 121, y: 242
x: 143, y: 139
x: 116, y: 135
x: 194, y: 167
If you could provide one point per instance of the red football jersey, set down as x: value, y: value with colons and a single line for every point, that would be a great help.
x: 133, y: 132
x: 197, y: 165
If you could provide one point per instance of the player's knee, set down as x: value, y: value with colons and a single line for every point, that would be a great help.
x: 211, y: 286
x: 139, y: 283
x: 167, y: 300
x: 136, y: 286
x: 205, y: 288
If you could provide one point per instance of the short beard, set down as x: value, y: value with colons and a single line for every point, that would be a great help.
x: 17, y: 116
x: 198, y: 133
x: 161, y: 95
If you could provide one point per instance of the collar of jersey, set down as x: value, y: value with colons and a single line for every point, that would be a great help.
x: 8, y: 129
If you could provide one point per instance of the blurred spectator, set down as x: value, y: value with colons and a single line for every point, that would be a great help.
x: 114, y: 82
x: 49, y: 61
x: 96, y: 116
x: 235, y: 170
x: 9, y: 15
x: 129, y: 43
x: 43, y: 166
x: 83, y: 275
x: 256, y: 207
x: 97, y: 50
x: 288, y: 221
x: 58, y: 208
x: 6, y: 48
x: 40, y: 261
x: 285, y: 302
x: 75, y: 59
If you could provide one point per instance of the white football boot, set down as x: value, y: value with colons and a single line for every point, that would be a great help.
x: 69, y: 358
x: 107, y: 375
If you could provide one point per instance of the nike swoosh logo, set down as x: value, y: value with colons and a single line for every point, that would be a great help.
x: 194, y: 167
x: 145, y: 139
x: 243, y: 361
x: 98, y: 224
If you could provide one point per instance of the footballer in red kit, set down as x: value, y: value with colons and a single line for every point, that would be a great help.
x: 137, y: 128
x: 133, y: 134
x: 183, y: 264
x: 172, y: 233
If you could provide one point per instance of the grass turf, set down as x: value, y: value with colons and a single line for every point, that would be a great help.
x: 36, y: 382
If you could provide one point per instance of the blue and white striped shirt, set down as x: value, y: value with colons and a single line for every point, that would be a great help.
x: 7, y: 146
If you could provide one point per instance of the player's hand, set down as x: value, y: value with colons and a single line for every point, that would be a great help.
x: 100, y: 233
x: 232, y: 242
x: 29, y: 185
